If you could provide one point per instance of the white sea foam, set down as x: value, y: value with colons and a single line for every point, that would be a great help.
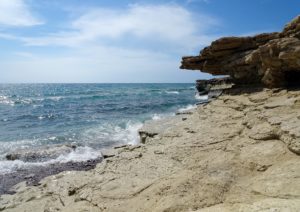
x: 55, y: 98
x: 11, y: 166
x: 201, y: 97
x: 161, y: 116
x: 110, y: 134
x: 41, y: 117
x: 6, y: 101
x: 8, y: 146
x: 172, y: 92
x: 187, y: 108
x: 156, y: 117
x: 129, y: 135
x: 79, y: 155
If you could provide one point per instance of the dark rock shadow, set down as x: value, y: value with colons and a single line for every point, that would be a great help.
x: 33, y: 175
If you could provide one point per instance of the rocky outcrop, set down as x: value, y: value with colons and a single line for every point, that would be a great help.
x: 271, y: 59
x: 205, y: 86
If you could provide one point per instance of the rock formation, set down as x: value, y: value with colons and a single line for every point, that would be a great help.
x: 272, y: 59
x: 206, y: 86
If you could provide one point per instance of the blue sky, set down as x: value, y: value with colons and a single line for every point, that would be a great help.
x: 122, y: 41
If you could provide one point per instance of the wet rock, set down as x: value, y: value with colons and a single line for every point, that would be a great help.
x: 108, y: 153
x: 184, y: 112
x: 40, y: 154
x: 33, y: 175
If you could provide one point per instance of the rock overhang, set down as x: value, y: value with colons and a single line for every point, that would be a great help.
x: 270, y: 59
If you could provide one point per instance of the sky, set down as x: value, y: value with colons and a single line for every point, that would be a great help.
x: 122, y: 41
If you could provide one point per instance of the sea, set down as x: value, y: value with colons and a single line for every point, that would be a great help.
x: 90, y: 116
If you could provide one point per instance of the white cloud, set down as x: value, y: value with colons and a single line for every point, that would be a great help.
x: 194, y: 1
x: 16, y: 13
x: 95, y: 64
x: 168, y: 24
x: 113, y: 45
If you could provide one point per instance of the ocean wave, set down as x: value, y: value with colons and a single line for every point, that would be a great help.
x: 112, y: 134
x: 129, y: 135
x: 55, y: 98
x: 6, y: 101
x: 161, y: 116
x: 172, y: 92
x: 156, y: 117
x: 187, y: 108
x: 47, y: 116
x: 14, y: 100
x: 8, y: 146
x: 80, y: 154
x: 201, y: 97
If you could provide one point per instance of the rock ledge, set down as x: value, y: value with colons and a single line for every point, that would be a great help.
x: 271, y: 59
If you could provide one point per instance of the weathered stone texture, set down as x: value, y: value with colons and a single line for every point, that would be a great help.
x: 272, y: 59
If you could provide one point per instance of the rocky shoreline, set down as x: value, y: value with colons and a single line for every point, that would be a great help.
x: 239, y: 152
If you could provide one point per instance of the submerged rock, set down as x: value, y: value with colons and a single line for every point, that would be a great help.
x: 271, y: 59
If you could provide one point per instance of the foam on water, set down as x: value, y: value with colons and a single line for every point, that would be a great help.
x: 80, y: 154
x: 9, y: 146
x: 129, y: 134
x: 6, y: 101
x: 172, y: 92
x: 161, y: 116
x: 55, y: 98
x: 201, y: 97
x: 187, y: 108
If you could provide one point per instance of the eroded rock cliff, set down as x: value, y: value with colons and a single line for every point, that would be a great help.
x: 271, y: 59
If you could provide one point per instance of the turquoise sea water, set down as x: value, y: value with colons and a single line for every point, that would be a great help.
x: 92, y: 116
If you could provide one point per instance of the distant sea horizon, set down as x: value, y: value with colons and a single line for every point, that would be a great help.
x: 7, y: 83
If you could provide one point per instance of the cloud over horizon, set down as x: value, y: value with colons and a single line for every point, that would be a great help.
x: 102, y: 43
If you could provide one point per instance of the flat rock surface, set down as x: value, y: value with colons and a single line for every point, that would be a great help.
x: 239, y: 152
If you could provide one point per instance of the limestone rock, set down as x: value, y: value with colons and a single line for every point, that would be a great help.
x: 271, y: 59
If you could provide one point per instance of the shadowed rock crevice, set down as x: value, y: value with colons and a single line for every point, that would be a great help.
x: 271, y: 59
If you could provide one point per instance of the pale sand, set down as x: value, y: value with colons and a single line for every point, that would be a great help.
x: 237, y: 153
